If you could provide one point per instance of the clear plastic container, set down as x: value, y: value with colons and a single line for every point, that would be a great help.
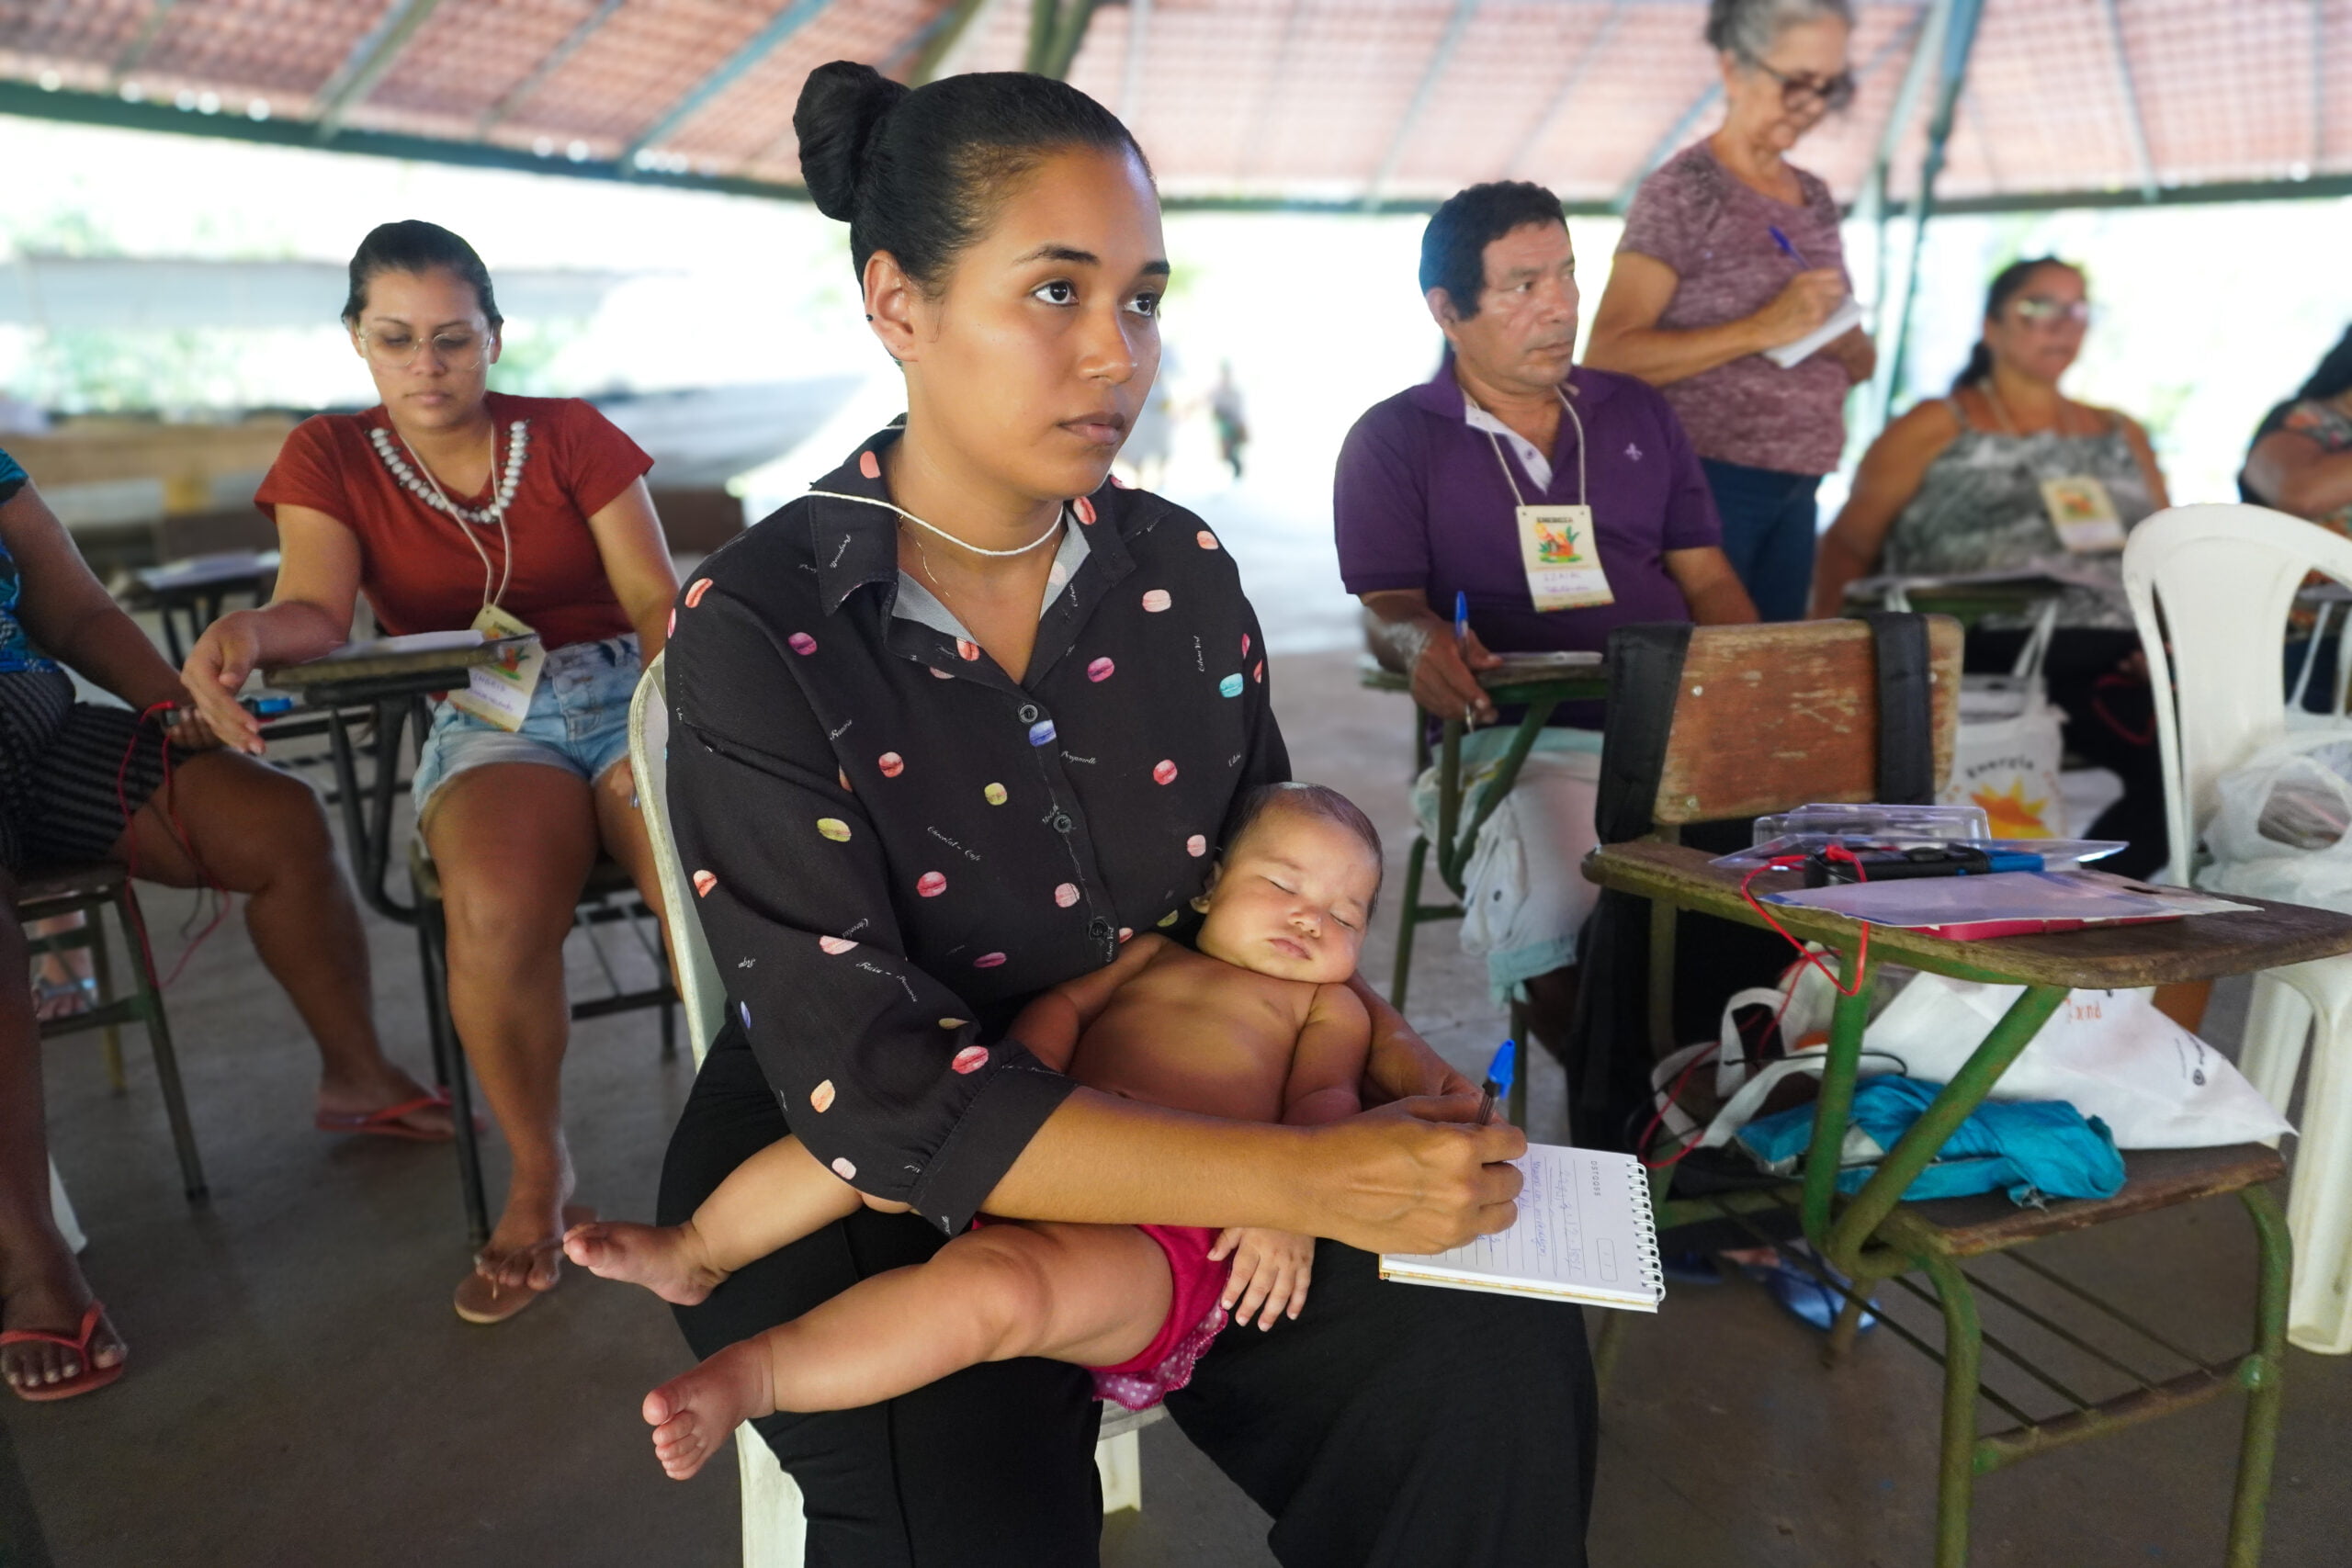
x: 1875, y: 827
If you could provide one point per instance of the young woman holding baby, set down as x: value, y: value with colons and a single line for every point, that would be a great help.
x: 952, y: 730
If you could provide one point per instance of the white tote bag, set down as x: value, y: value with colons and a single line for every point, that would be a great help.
x: 2005, y: 757
x: 2107, y: 1053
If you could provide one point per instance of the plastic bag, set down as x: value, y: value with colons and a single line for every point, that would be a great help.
x: 2109, y: 1054
x: 2279, y: 825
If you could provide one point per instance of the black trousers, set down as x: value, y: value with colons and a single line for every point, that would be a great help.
x: 1389, y: 1425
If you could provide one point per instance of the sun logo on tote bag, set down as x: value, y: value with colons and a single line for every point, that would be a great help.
x: 2013, y: 813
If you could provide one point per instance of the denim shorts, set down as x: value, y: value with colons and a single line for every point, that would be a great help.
x: 579, y: 721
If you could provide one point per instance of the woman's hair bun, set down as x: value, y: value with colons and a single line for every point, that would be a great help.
x: 841, y: 105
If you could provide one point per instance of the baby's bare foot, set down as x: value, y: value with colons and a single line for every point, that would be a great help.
x: 692, y: 1415
x: 665, y: 1260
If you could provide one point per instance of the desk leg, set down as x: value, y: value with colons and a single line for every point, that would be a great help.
x: 1964, y: 1359
x: 2264, y: 1375
x: 449, y: 1058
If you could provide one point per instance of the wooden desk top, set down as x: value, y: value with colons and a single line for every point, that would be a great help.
x: 1576, y: 681
x: 322, y: 682
x: 2100, y: 958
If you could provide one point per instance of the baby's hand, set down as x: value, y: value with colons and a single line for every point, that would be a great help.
x: 1270, y: 1270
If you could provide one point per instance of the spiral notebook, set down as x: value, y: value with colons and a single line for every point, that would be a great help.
x: 1585, y: 1233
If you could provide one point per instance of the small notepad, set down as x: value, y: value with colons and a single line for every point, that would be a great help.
x: 1845, y: 317
x: 1585, y: 1233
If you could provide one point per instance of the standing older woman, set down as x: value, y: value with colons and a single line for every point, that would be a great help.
x: 1729, y: 251
x: 444, y: 503
x: 947, y: 732
x: 2009, y: 474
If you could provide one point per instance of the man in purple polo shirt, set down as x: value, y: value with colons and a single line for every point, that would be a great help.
x: 1561, y: 501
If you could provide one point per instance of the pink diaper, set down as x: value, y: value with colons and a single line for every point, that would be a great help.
x: 1195, y: 1315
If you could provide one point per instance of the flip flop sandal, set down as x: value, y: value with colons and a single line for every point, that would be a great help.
x: 65, y: 999
x: 389, y: 1122
x: 89, y: 1380
x: 485, y: 1300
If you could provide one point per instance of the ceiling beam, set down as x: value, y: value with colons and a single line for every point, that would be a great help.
x: 781, y: 27
x: 1131, y: 71
x: 1668, y: 145
x: 1057, y: 32
x: 1439, y: 60
x: 28, y: 101
x: 1254, y: 146
x: 549, y: 64
x: 1951, y: 74
x: 2319, y: 82
x: 930, y: 47
x: 2135, y: 125
x: 133, y: 58
x: 373, y: 55
x: 1578, y: 71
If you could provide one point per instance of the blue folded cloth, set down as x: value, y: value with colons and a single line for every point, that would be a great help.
x: 2031, y: 1150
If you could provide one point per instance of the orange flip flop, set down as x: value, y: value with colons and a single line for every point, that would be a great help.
x: 89, y: 1380
x: 390, y: 1121
x: 486, y: 1301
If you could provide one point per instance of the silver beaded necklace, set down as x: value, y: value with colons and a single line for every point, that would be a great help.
x: 428, y: 490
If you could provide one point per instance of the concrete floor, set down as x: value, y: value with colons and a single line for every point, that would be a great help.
x: 300, y: 1393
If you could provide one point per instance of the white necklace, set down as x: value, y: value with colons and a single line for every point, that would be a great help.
x: 427, y: 488
x: 1052, y: 529
x: 518, y: 444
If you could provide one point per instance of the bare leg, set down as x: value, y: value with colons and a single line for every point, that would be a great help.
x: 1094, y: 1295
x: 513, y: 843
x: 40, y: 1285
x: 263, y: 833
x: 770, y: 1201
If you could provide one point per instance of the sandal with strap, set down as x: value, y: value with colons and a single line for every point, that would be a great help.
x: 89, y: 1380
x: 390, y: 1122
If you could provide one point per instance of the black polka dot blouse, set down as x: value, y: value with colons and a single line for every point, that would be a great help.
x: 893, y: 844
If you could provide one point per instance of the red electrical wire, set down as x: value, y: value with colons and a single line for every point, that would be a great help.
x: 1861, y: 968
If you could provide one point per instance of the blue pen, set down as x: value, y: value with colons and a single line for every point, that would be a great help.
x: 1461, y: 618
x: 1787, y: 248
x: 1499, y: 1073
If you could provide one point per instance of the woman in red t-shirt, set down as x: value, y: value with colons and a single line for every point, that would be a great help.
x: 444, y: 504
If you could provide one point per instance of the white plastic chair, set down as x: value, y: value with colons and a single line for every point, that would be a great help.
x: 774, y: 1527
x: 2222, y: 579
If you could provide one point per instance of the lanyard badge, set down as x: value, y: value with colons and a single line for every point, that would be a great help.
x: 2083, y: 513
x: 1558, y: 547
x: 500, y: 694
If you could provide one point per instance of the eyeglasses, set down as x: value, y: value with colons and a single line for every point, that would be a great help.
x: 456, y: 348
x: 2041, y: 311
x: 1803, y: 89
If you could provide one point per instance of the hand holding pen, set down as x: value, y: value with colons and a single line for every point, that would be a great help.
x: 1805, y: 301
x: 1445, y: 661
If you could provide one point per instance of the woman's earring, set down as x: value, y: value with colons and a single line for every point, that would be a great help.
x: 869, y: 315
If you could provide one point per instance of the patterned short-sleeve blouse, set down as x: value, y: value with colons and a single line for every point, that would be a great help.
x: 1980, y: 508
x: 894, y: 844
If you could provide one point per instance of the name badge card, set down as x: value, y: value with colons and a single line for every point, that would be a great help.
x: 2083, y: 513
x: 500, y: 694
x: 1562, y: 556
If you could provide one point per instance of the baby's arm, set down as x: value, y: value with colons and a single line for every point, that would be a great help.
x: 1326, y: 1065
x: 1050, y: 1025
x: 1271, y: 1268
